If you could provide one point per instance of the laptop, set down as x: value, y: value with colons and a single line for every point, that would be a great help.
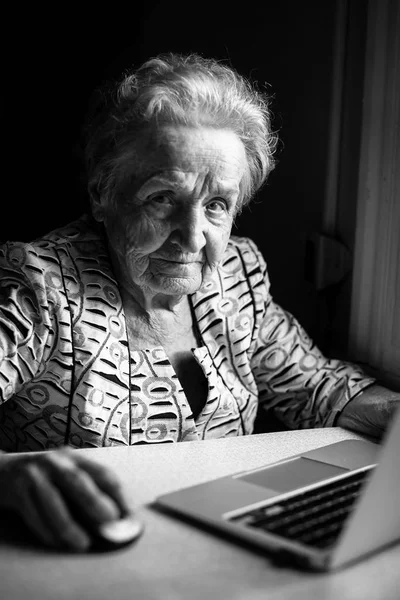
x: 320, y: 510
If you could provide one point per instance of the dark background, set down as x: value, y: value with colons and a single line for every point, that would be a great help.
x: 55, y: 60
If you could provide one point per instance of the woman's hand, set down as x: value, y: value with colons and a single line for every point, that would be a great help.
x: 56, y: 491
x: 371, y: 412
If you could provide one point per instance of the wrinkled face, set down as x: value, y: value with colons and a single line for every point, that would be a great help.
x: 170, y: 226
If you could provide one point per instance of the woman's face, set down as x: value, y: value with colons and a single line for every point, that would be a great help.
x: 170, y: 225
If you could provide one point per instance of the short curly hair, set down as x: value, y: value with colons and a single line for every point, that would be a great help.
x: 178, y: 89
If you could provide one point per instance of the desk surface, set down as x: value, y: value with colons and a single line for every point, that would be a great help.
x: 174, y: 560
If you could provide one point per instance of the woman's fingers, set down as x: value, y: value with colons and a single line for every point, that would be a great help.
x: 34, y: 521
x: 45, y: 512
x: 62, y: 497
x: 108, y: 482
x: 80, y: 489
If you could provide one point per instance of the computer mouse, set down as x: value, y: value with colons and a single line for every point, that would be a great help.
x: 112, y: 535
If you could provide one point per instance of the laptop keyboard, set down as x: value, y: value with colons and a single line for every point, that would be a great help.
x: 315, y: 517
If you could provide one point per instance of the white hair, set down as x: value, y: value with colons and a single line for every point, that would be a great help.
x: 182, y: 90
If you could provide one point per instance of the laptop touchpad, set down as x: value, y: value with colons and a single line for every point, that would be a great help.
x: 292, y: 474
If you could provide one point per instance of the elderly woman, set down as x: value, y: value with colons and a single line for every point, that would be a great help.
x: 147, y: 322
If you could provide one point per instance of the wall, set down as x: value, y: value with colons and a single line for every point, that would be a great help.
x: 375, y: 312
x: 59, y: 58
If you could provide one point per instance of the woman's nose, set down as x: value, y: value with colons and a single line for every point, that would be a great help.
x: 190, y: 231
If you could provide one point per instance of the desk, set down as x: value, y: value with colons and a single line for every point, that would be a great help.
x: 177, y: 561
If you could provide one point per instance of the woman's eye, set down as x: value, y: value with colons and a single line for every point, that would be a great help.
x: 217, y: 205
x: 161, y: 199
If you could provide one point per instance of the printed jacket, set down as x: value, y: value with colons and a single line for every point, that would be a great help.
x: 68, y: 375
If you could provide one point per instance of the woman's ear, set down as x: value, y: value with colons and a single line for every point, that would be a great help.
x: 96, y: 203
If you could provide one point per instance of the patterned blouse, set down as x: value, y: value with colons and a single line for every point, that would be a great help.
x: 68, y: 375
